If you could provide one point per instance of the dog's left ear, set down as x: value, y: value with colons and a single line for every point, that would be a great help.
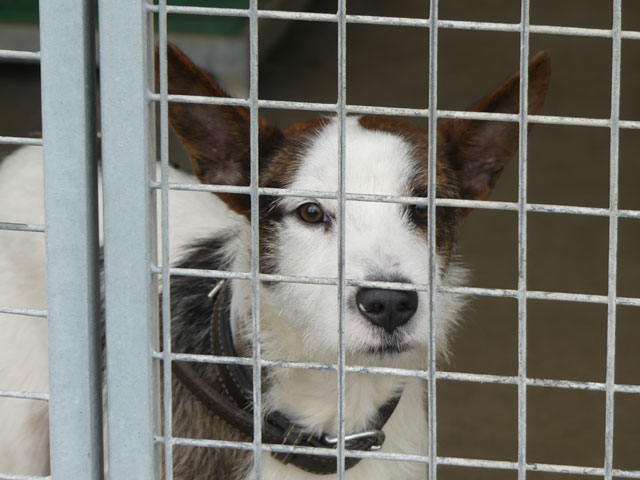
x: 478, y: 150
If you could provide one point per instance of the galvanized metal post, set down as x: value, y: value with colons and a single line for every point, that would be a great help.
x: 71, y: 196
x: 131, y: 292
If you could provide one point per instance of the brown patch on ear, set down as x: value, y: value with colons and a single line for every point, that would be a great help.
x: 391, y: 125
x: 217, y: 137
x: 478, y: 150
x: 286, y: 159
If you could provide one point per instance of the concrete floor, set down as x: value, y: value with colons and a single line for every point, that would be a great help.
x: 567, y: 165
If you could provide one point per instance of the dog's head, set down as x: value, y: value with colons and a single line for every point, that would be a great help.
x: 384, y: 241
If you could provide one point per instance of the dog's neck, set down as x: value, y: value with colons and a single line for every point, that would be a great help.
x: 309, y: 397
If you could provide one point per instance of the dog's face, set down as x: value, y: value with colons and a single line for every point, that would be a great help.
x: 383, y: 241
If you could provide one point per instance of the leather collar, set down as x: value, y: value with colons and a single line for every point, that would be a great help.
x: 231, y: 399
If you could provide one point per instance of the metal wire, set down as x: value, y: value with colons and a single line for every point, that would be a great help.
x: 522, y: 240
x: 19, y: 55
x: 164, y: 222
x: 613, y: 237
x: 342, y: 149
x: 398, y: 21
x: 255, y: 239
x: 431, y: 237
x: 442, y: 202
x: 4, y: 140
x: 31, y: 312
x: 5, y: 476
x: 21, y: 227
x: 440, y: 375
x: 397, y: 111
x: 25, y: 395
x: 448, y: 461
x: 485, y: 292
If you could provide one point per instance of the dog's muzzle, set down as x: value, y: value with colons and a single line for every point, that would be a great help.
x: 388, y: 309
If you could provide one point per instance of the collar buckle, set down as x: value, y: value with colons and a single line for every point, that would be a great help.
x: 377, y: 436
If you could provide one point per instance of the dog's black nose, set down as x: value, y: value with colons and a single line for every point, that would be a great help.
x: 387, y: 308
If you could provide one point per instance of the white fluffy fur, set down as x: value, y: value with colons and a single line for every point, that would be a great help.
x: 299, y: 322
x: 23, y: 340
x: 24, y: 438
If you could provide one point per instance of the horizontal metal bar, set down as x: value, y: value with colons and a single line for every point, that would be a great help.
x: 401, y: 372
x: 4, y: 140
x: 445, y: 461
x: 308, y: 106
x: 398, y: 111
x: 444, y: 202
x: 534, y: 467
x: 214, y: 359
x: 200, y: 99
x: 201, y: 188
x: 539, y: 295
x: 628, y: 213
x: 267, y: 277
x: 19, y: 55
x: 475, y: 463
x: 243, y: 102
x: 575, y: 470
x: 30, y: 312
x: 24, y: 395
x: 582, y: 32
x: 535, y: 382
x: 328, y: 452
x: 486, y: 292
x: 21, y: 227
x: 196, y: 272
x: 6, y: 476
x: 399, y: 21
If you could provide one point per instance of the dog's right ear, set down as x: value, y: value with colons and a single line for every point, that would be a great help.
x: 479, y: 150
x: 217, y: 137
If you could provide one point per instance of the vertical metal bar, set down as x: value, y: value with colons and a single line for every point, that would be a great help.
x: 522, y: 241
x: 255, y: 240
x: 342, y: 150
x: 167, y: 427
x: 71, y: 198
x: 431, y: 235
x: 129, y: 224
x: 613, y: 235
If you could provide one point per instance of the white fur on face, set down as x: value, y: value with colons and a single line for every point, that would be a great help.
x: 381, y: 242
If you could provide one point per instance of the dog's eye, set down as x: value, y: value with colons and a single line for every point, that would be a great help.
x: 420, y: 212
x: 311, y: 213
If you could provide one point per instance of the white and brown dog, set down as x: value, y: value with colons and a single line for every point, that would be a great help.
x: 384, y: 242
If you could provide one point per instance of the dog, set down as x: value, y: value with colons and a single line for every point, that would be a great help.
x: 384, y: 326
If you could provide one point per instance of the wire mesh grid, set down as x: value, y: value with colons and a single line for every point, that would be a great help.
x: 341, y: 108
x: 522, y: 207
